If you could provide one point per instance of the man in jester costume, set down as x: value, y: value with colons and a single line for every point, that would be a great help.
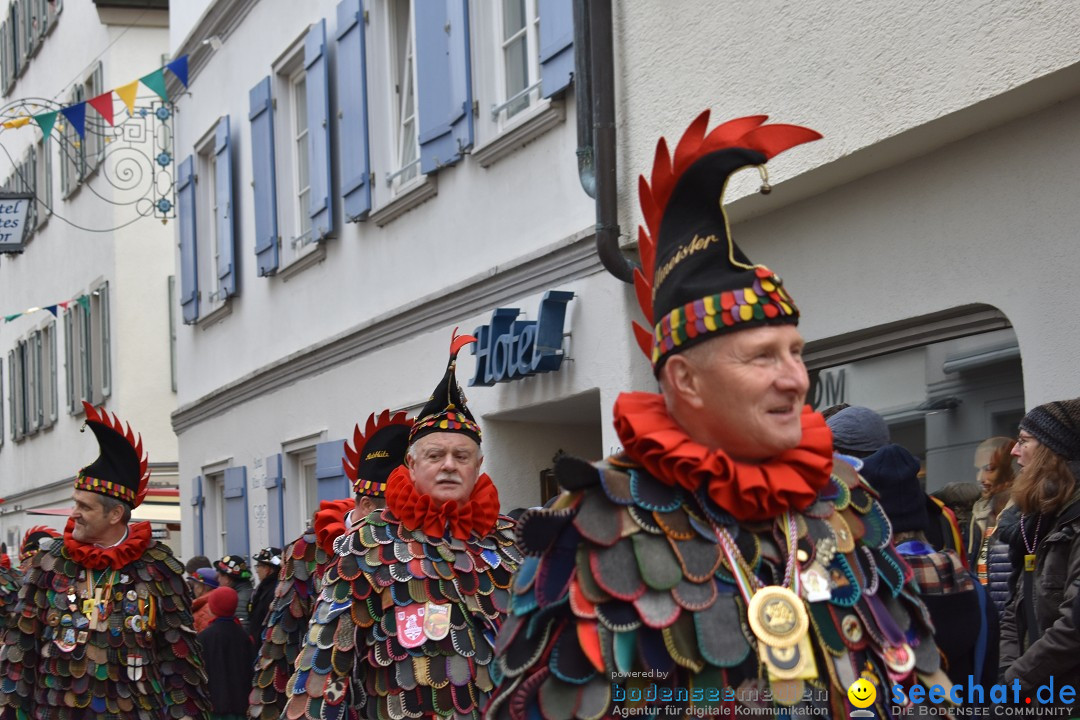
x: 104, y: 627
x: 375, y: 452
x: 406, y: 620
x: 724, y: 553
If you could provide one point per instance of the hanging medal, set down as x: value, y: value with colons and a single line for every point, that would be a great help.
x: 436, y: 621
x: 1030, y: 548
x: 776, y: 613
x: 410, y: 625
x: 815, y: 578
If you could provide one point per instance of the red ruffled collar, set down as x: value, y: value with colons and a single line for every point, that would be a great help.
x: 417, y: 511
x: 330, y: 522
x: 749, y: 491
x: 99, y: 558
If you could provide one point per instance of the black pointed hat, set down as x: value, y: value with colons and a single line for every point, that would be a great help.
x: 32, y: 539
x: 446, y: 410
x: 695, y: 282
x: 380, y: 449
x: 121, y: 470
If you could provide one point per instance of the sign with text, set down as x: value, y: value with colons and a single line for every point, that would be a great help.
x: 14, y: 210
x: 511, y: 349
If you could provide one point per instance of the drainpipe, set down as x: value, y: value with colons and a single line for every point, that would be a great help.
x: 594, y: 91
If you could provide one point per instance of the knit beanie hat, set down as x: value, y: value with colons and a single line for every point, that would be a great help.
x: 1057, y: 426
x: 222, y: 602
x: 205, y: 576
x: 894, y: 473
x: 858, y: 429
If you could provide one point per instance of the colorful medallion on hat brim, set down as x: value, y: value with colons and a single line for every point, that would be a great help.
x: 446, y: 409
x: 121, y: 470
x: 379, y: 449
x: 695, y: 282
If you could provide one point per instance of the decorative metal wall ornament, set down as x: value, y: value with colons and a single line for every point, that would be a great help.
x: 134, y: 163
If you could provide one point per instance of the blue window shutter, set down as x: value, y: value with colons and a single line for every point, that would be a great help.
x: 318, y: 117
x: 443, y: 84
x: 223, y: 188
x: 263, y: 179
x: 329, y: 473
x: 352, y: 110
x: 275, y: 505
x: 198, y: 502
x: 236, y: 511
x: 556, y: 45
x: 189, y: 266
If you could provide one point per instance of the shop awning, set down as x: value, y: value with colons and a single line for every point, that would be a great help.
x: 162, y: 506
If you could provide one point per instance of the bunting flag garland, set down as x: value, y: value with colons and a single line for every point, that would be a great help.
x: 46, y: 121
x: 156, y: 81
x: 178, y: 67
x: 127, y: 94
x: 76, y: 115
x: 83, y: 300
x: 103, y: 103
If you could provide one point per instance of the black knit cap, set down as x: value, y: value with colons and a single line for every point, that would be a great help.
x: 894, y: 473
x: 446, y: 410
x: 695, y: 282
x: 1057, y: 426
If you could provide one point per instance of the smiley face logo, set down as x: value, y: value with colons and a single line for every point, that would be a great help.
x: 862, y: 693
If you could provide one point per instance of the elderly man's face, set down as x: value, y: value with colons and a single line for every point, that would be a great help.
x: 92, y: 523
x: 746, y: 390
x: 445, y: 466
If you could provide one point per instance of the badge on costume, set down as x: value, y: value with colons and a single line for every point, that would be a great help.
x: 815, y: 584
x: 135, y: 662
x: 66, y: 641
x: 436, y: 621
x: 410, y: 625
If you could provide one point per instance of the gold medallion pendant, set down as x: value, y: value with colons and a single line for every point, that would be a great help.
x: 777, y: 616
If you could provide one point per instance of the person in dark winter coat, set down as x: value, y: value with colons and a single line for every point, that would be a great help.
x: 267, y: 563
x: 1039, y: 635
x: 965, y: 620
x: 230, y: 655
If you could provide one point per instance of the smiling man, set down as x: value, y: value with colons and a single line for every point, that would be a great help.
x: 416, y: 592
x: 724, y: 546
x: 105, y: 620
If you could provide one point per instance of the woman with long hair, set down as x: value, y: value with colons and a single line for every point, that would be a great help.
x: 1039, y: 635
x: 989, y: 554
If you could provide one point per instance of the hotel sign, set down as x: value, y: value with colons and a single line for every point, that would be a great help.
x: 511, y: 349
x: 14, y: 211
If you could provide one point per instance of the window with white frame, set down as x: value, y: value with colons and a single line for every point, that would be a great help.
x: 24, y: 27
x: 405, y: 139
x: 32, y: 381
x: 518, y: 56
x: 95, y: 126
x: 43, y: 181
x: 293, y: 155
x: 301, y: 157
x: 216, y: 499
x: 88, y: 367
x: 206, y: 196
x: 71, y: 150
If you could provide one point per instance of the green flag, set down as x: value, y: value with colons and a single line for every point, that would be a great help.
x: 46, y: 121
x: 156, y: 82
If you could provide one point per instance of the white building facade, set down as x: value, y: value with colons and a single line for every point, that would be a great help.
x: 86, y: 304
x: 357, y: 179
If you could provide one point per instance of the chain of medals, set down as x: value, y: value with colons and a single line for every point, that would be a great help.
x: 776, y: 613
x: 1030, y: 548
x: 96, y: 605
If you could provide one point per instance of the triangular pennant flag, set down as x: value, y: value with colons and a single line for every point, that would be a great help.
x: 64, y: 304
x: 9, y: 318
x: 156, y: 82
x: 178, y: 67
x: 52, y: 309
x: 104, y: 105
x: 76, y: 115
x: 46, y: 121
x: 127, y: 94
x: 17, y: 122
x: 84, y: 300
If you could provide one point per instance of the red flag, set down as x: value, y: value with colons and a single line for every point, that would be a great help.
x: 104, y: 105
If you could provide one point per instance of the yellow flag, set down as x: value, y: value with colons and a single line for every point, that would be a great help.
x: 127, y: 94
x: 17, y: 122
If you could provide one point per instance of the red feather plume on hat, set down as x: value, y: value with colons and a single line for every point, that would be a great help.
x: 351, y: 461
x: 101, y: 416
x: 748, y: 132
